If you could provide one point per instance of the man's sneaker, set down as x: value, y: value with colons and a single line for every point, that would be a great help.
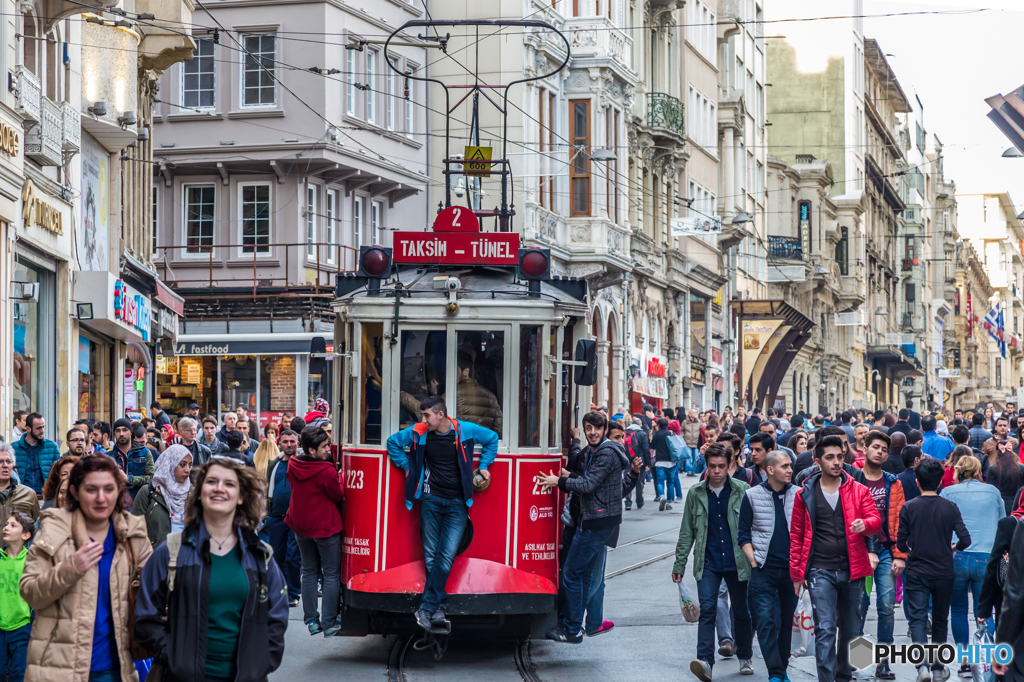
x: 314, y: 628
x: 883, y: 672
x: 965, y: 671
x: 924, y: 674
x: 629, y: 507
x: 701, y: 669
x: 940, y: 675
x: 333, y: 630
x: 727, y: 649
x: 774, y: 679
x: 663, y: 501
x: 606, y: 626
x: 293, y: 601
x: 746, y: 667
x: 423, y: 619
x: 560, y: 635
x: 668, y: 507
x: 640, y: 505
x: 440, y: 625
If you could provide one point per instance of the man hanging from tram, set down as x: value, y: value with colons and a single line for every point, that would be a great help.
x: 439, y: 473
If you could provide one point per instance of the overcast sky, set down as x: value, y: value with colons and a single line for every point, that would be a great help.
x: 952, y: 63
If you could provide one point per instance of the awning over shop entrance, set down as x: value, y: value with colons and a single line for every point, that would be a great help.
x: 770, y: 334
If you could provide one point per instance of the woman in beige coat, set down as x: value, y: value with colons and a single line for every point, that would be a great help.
x: 77, y: 577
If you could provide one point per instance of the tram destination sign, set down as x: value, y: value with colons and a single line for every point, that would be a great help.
x: 457, y: 248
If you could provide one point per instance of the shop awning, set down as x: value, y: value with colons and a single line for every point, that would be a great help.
x: 771, y: 332
x: 247, y: 344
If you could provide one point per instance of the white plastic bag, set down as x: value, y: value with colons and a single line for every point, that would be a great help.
x: 982, y: 672
x: 803, y: 627
x: 687, y: 604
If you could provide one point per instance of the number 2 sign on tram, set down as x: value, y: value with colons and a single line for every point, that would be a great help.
x: 457, y: 240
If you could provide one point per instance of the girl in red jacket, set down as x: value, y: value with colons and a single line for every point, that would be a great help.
x: 316, y: 521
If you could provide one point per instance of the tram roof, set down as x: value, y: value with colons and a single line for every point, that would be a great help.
x: 476, y: 284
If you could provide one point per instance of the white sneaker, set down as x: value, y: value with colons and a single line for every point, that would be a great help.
x: 924, y: 674
x: 746, y: 667
x: 701, y: 669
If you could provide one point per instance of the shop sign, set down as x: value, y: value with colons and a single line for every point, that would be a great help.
x: 38, y: 212
x: 10, y: 140
x: 186, y: 348
x: 716, y: 357
x: 130, y: 396
x: 168, y: 323
x: 650, y: 379
x: 698, y: 362
x: 132, y: 309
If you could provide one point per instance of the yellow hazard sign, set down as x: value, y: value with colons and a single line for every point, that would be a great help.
x: 478, y: 154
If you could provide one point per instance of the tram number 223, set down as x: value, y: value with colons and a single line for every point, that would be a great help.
x: 355, y: 479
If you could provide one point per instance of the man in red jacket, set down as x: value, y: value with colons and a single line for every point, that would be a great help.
x: 831, y: 552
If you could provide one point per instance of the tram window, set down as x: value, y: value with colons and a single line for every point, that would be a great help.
x: 481, y: 378
x: 373, y: 365
x: 424, y: 363
x: 529, y: 386
x: 553, y: 392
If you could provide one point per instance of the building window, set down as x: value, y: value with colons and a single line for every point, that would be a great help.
x: 409, y: 101
x: 357, y: 221
x: 389, y: 107
x: 350, y: 82
x: 199, y: 208
x: 843, y: 251
x: 910, y: 250
x: 258, y: 86
x: 546, y: 137
x: 376, y: 213
x: 197, y: 77
x: 371, y: 80
x: 579, y: 167
x: 255, y: 218
x: 330, y: 199
x: 153, y: 218
x: 615, y: 167
x: 310, y: 221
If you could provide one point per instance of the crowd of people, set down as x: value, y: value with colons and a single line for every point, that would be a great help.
x: 923, y: 508
x: 166, y: 544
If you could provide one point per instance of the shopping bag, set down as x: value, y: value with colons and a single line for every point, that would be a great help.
x: 982, y: 672
x: 688, y: 605
x: 803, y: 627
x: 142, y: 668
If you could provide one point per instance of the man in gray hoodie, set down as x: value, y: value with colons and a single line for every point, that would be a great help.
x: 600, y: 491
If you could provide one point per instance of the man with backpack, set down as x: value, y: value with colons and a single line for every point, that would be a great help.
x: 638, y: 445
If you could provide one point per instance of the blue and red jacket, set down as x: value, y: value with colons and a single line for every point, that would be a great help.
x: 467, y: 434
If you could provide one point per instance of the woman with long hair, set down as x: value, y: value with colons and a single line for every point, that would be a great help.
x: 225, y: 615
x: 162, y: 501
x: 954, y: 456
x: 1005, y: 473
x: 270, y: 431
x: 797, y: 442
x: 981, y: 507
x: 77, y: 577
x: 266, y: 453
x: 59, y: 473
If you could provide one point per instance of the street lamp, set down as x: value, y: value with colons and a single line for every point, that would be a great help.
x: 742, y: 218
x: 1012, y: 153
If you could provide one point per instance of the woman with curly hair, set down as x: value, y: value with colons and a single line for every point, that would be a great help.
x: 224, y: 615
x: 59, y: 473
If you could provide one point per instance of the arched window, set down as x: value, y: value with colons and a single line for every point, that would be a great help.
x: 30, y: 44
x: 843, y: 251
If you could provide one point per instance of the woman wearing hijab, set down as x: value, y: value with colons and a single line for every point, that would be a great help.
x: 162, y: 501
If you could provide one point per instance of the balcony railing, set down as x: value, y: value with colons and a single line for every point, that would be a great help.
x: 44, y: 142
x: 788, y: 248
x: 27, y: 95
x: 908, y: 264
x: 315, y: 271
x: 72, y: 126
x: 665, y: 111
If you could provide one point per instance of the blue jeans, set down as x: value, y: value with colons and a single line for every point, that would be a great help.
x: 772, y: 604
x: 674, y: 480
x: 707, y: 593
x: 286, y: 554
x: 885, y: 599
x: 320, y: 555
x: 442, y: 523
x: 14, y: 653
x: 595, y: 603
x: 968, y: 574
x: 835, y: 604
x: 589, y: 547
x: 665, y: 475
x: 690, y: 457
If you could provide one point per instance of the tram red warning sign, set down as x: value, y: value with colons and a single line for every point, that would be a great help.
x: 456, y: 219
x: 457, y: 248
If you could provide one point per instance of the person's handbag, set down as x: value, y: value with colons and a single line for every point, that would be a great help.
x: 138, y: 652
x: 676, y: 448
x: 982, y: 672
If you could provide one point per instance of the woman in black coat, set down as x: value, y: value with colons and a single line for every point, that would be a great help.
x: 1010, y: 628
x: 991, y: 593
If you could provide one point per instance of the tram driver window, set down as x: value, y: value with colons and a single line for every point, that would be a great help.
x: 480, y: 392
x: 422, y: 372
x: 372, y: 382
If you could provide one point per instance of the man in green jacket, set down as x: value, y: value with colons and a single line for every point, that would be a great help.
x: 710, y: 525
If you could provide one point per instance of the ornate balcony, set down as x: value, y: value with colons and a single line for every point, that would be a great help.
x: 44, y: 142
x: 72, y: 127
x: 665, y: 112
x: 27, y: 95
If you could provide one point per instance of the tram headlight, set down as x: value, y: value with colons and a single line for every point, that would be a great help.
x: 534, y: 264
x: 374, y: 261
